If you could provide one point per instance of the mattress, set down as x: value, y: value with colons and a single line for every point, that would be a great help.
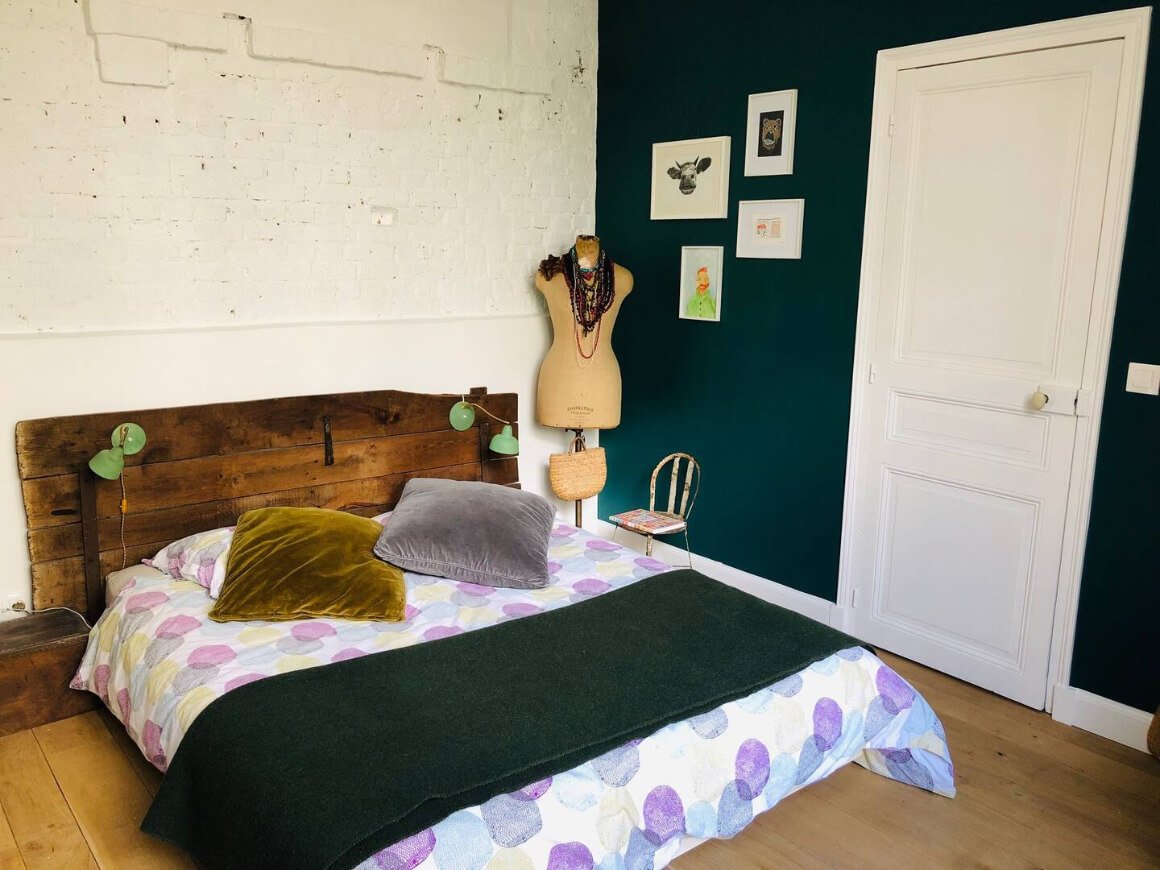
x: 157, y: 660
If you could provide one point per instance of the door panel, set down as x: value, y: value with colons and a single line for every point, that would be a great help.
x: 983, y: 284
x: 979, y: 605
x: 998, y: 170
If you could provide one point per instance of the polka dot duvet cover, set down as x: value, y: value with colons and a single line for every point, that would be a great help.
x: 157, y: 660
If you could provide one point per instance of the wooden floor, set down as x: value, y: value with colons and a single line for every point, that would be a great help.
x: 1032, y: 793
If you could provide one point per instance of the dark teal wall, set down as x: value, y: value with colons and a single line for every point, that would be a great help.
x: 762, y: 398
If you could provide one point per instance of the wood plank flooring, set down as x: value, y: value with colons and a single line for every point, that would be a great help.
x: 1032, y: 793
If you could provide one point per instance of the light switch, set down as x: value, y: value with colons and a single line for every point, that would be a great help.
x: 1143, y: 378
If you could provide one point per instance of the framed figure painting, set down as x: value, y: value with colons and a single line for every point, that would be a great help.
x: 770, y: 229
x: 770, y: 126
x: 690, y: 179
x: 700, y: 293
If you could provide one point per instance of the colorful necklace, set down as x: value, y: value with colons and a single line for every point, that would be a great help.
x: 591, y: 291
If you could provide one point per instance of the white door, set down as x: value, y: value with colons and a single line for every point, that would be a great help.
x: 998, y: 170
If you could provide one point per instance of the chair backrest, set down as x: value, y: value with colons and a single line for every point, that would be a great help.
x: 692, y: 483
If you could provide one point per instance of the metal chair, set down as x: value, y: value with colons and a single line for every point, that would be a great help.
x: 689, y: 485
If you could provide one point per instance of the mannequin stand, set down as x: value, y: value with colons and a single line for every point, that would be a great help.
x: 579, y: 503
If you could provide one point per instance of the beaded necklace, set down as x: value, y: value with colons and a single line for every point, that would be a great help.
x: 591, y: 291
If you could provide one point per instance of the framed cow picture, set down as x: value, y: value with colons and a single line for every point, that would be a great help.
x: 690, y: 179
x: 770, y: 126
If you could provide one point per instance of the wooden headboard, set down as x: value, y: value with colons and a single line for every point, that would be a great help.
x: 204, y: 465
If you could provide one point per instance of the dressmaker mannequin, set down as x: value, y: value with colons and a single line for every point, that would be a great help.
x: 579, y: 383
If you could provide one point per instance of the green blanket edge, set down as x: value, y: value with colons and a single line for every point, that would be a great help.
x: 229, y: 797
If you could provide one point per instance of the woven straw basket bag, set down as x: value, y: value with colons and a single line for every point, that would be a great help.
x: 578, y: 474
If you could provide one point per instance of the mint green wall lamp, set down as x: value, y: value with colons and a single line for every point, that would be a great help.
x: 462, y: 417
x: 127, y: 439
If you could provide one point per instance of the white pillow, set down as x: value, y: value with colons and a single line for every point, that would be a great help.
x: 127, y: 578
x: 200, y: 557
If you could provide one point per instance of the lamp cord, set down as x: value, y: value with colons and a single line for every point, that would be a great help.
x: 124, y: 505
x: 493, y: 416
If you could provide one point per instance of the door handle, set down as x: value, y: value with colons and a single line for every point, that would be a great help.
x: 1060, y: 399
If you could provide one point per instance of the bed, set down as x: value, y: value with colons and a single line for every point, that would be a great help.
x: 157, y: 662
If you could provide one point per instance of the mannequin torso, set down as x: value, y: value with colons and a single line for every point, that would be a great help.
x: 579, y: 382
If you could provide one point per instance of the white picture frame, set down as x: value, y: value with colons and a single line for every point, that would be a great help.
x: 770, y: 131
x: 690, y: 179
x: 770, y: 229
x: 692, y: 303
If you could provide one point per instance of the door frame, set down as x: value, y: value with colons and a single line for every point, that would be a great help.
x: 1130, y: 25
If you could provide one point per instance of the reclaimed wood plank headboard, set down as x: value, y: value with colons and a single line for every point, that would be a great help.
x: 204, y: 465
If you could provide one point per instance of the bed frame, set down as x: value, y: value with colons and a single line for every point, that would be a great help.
x: 204, y: 465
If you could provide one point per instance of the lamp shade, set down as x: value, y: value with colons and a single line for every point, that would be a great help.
x: 129, y: 436
x: 462, y: 416
x: 505, y: 442
x: 109, y: 463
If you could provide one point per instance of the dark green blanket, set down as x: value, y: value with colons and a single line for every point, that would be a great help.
x: 324, y: 767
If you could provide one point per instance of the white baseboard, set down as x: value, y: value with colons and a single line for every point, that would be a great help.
x: 1071, y: 706
x: 1101, y: 716
x: 760, y: 587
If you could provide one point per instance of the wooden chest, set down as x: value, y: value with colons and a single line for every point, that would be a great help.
x: 38, y: 656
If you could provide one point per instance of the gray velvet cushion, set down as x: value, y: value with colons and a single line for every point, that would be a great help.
x: 477, y: 532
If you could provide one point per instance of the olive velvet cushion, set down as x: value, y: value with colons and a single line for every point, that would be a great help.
x: 301, y: 563
x: 476, y: 532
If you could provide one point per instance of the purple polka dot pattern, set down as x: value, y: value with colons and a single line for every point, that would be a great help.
x: 315, y: 629
x: 827, y: 722
x: 177, y: 626
x: 533, y: 792
x: 651, y: 564
x: 570, y: 856
x: 101, y: 682
x: 896, y: 694
x: 664, y: 815
x: 124, y: 705
x: 151, y: 737
x: 624, y: 810
x: 591, y: 586
x: 522, y: 609
x: 145, y: 601
x: 243, y: 680
x: 210, y: 656
x: 474, y: 589
x: 440, y: 632
x: 752, y: 768
x: 407, y: 854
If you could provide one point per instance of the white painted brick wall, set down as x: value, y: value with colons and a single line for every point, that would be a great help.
x: 242, y: 192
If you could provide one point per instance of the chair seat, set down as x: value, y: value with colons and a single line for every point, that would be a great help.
x: 646, y: 522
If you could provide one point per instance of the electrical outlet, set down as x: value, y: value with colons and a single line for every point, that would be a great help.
x: 13, y: 602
